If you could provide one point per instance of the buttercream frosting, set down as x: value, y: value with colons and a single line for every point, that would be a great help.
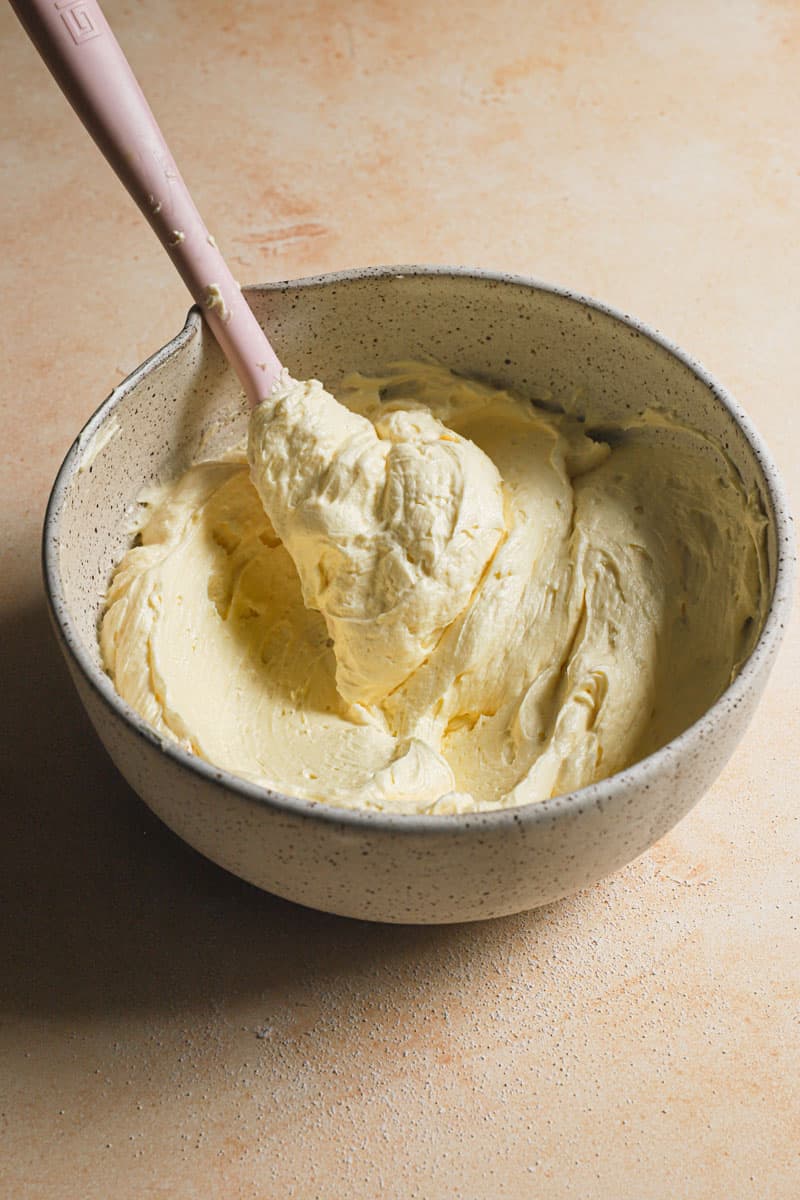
x: 458, y: 600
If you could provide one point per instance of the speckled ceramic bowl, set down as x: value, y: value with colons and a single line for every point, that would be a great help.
x: 184, y: 402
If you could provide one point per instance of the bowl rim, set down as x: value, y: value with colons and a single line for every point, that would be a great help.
x: 571, y: 804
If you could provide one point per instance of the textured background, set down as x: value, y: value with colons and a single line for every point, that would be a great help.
x: 166, y: 1031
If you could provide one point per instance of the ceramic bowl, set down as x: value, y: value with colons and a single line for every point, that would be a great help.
x: 184, y: 402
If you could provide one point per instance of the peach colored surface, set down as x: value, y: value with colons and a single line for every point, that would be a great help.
x: 167, y: 1031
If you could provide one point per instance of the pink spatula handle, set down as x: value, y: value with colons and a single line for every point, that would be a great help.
x: 74, y: 39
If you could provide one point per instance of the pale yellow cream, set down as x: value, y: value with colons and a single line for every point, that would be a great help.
x: 391, y: 522
x: 498, y: 608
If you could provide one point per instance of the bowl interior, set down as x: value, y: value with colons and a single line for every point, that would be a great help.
x: 185, y: 403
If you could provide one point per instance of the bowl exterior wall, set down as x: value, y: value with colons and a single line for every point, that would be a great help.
x: 459, y: 872
x: 184, y: 403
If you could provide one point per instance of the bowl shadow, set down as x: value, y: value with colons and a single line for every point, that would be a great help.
x: 105, y: 910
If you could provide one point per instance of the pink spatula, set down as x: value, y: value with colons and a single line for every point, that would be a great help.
x: 75, y: 41
x: 301, y: 446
